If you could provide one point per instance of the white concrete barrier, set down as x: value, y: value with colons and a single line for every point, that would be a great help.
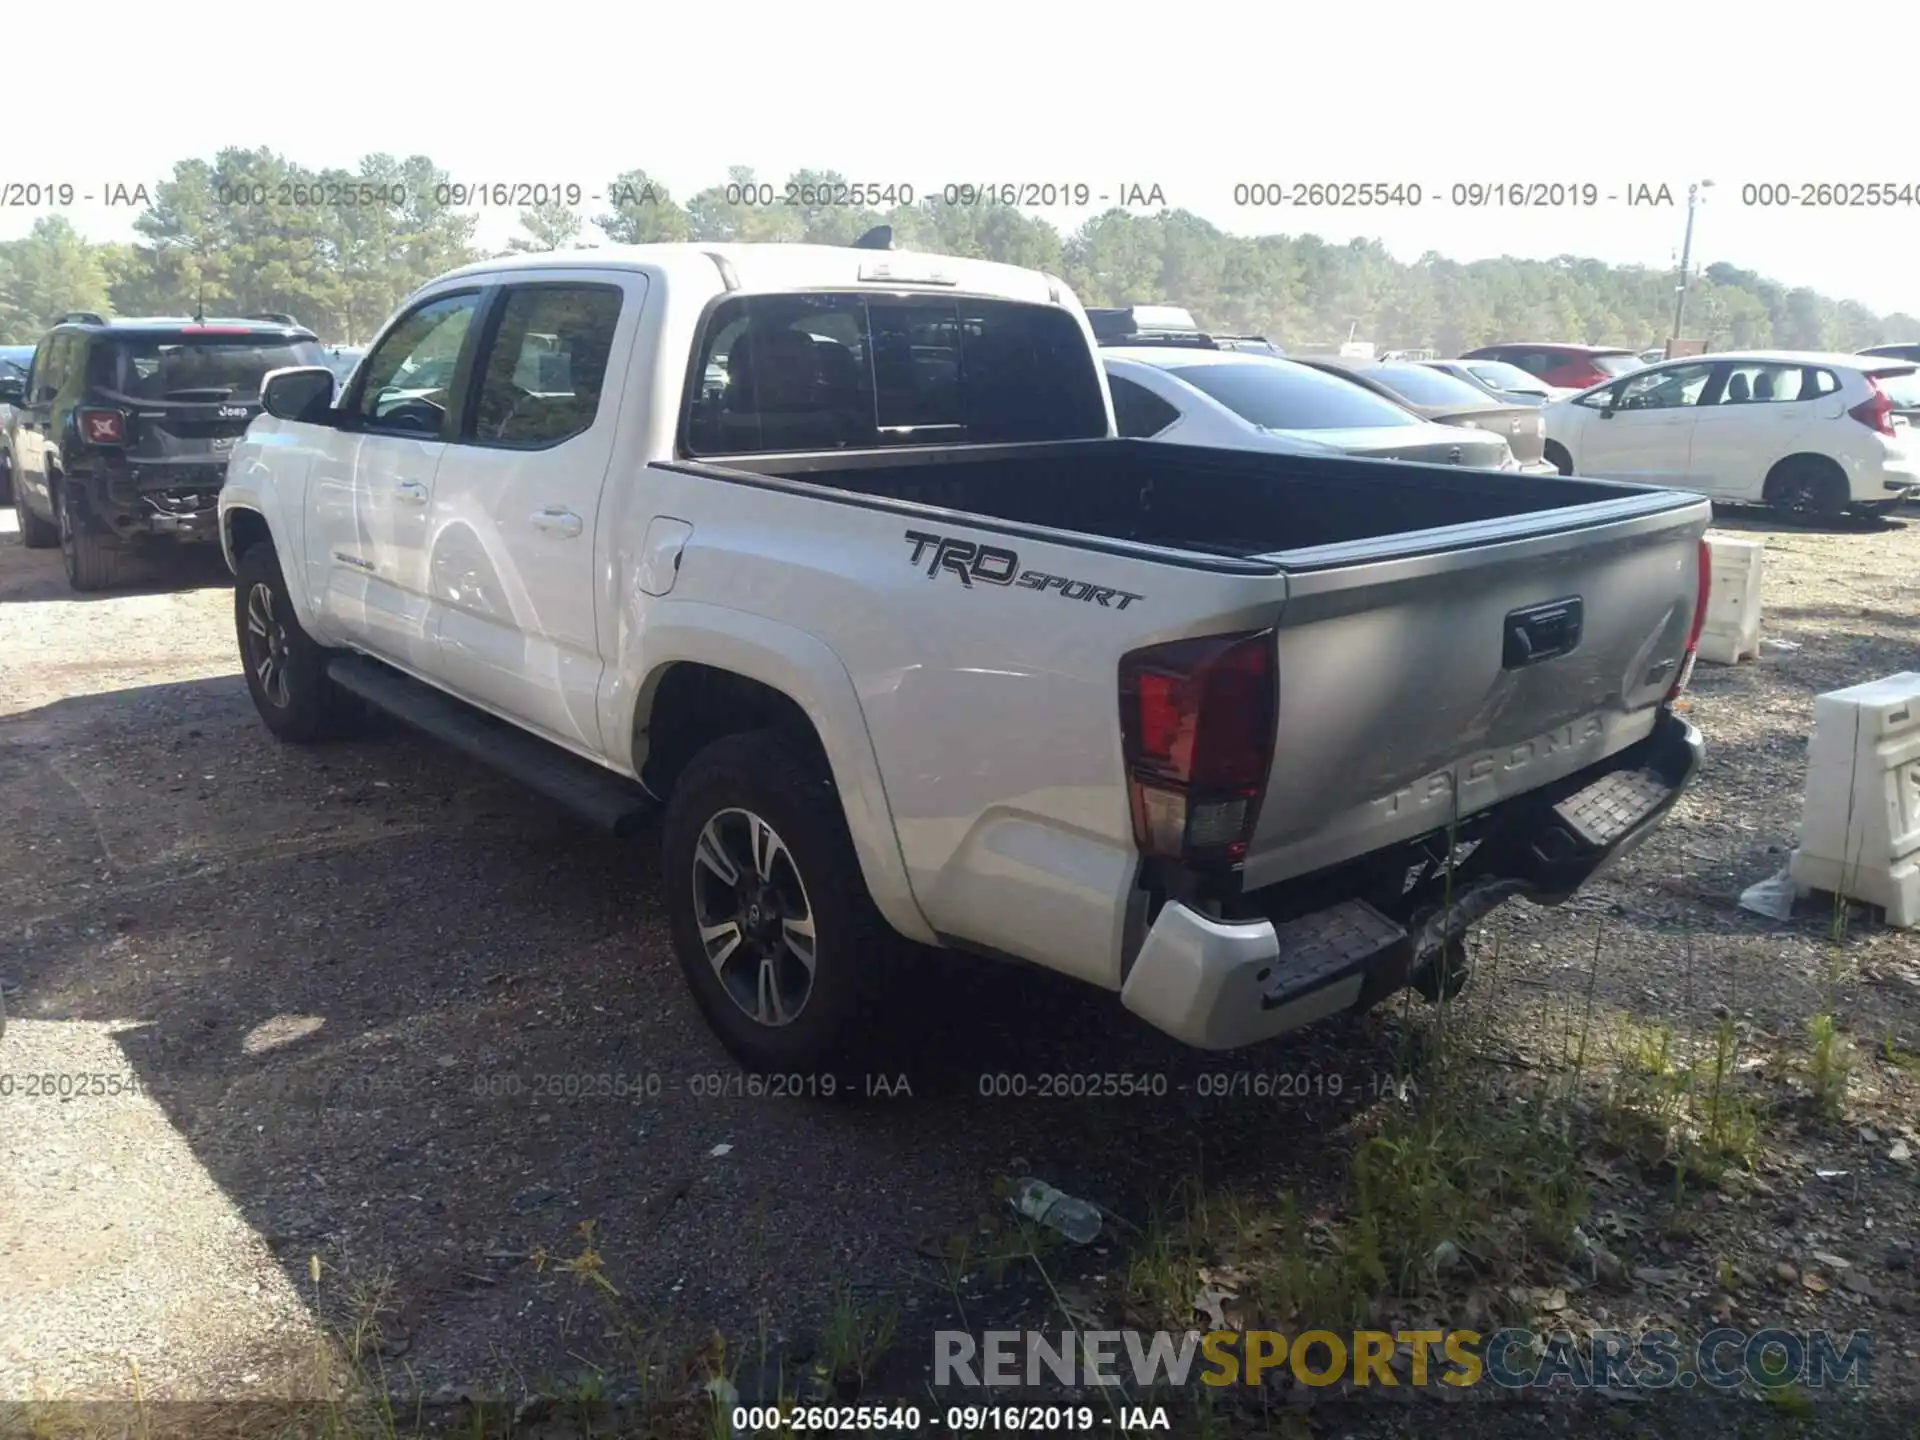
x: 1732, y: 630
x: 1860, y: 823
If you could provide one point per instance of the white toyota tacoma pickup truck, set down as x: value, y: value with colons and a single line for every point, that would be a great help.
x: 834, y: 554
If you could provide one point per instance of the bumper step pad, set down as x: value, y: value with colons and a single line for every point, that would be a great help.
x: 1320, y: 947
x: 1610, y: 807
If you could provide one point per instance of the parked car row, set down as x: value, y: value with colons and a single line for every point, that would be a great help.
x: 1171, y: 381
x: 114, y: 435
x: 1807, y: 434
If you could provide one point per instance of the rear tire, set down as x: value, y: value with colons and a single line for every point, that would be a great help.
x: 91, y: 566
x: 1807, y: 486
x: 1557, y: 456
x: 789, y: 960
x: 286, y: 670
x: 35, y: 533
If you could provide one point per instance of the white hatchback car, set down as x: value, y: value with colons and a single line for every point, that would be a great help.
x: 1803, y: 432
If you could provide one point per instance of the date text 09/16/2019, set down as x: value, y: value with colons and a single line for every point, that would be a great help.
x: 956, y: 1419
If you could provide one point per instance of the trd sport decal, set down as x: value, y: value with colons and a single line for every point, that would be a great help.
x: 993, y: 565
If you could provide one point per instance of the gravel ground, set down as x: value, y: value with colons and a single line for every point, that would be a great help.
x: 372, y: 1004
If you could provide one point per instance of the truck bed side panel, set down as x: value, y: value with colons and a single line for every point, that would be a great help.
x: 992, y: 707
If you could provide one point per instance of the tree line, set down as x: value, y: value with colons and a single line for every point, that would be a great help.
x: 252, y: 231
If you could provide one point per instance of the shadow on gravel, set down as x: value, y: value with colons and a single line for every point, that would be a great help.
x: 1763, y: 521
x: 415, y: 1021
x: 166, y: 573
x: 1886, y: 619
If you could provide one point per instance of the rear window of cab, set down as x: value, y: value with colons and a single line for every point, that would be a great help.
x: 834, y: 371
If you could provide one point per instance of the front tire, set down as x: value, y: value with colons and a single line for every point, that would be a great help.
x: 789, y: 960
x: 35, y: 533
x: 286, y: 670
x: 1556, y: 455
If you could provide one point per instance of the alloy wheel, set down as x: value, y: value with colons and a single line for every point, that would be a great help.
x: 267, y: 646
x: 755, y: 919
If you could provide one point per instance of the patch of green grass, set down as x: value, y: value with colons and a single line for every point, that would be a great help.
x: 1681, y: 1100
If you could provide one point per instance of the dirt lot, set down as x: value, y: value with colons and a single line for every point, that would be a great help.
x: 369, y: 1006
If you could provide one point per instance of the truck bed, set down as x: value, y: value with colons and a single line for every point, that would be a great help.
x: 1213, y: 501
x: 1448, y: 639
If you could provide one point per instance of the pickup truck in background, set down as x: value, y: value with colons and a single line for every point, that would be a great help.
x: 834, y: 554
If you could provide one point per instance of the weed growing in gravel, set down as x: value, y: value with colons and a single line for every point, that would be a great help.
x: 1678, y: 1102
x: 1830, y: 1062
x: 855, y: 1340
x: 1830, y: 1055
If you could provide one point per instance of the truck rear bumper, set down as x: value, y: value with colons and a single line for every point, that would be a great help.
x: 1221, y: 984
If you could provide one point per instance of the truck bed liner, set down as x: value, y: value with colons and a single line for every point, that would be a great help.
x: 1221, y: 502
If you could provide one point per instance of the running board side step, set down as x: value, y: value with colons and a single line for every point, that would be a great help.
x: 606, y: 800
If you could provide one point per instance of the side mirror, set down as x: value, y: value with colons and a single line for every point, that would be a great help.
x: 13, y: 392
x: 1606, y: 412
x: 302, y: 392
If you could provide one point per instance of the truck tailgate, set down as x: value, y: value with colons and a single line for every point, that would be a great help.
x: 1462, y: 668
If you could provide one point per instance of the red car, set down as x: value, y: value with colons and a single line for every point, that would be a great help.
x: 1576, y: 367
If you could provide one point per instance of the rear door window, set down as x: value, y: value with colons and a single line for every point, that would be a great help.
x: 1764, y: 384
x: 545, y: 364
x: 50, y: 367
x: 849, y: 371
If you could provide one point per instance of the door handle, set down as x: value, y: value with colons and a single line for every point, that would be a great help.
x: 411, y: 491
x: 558, y: 522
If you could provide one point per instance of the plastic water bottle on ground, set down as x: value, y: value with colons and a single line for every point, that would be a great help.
x: 1058, y: 1211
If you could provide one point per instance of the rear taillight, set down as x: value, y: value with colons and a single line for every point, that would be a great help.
x: 103, y: 427
x: 1702, y: 595
x: 1197, y: 724
x: 1876, y: 411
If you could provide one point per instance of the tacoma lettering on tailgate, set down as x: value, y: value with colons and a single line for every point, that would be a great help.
x: 996, y: 565
x: 1439, y: 786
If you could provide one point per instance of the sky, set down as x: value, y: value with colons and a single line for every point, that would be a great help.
x: 1196, y: 99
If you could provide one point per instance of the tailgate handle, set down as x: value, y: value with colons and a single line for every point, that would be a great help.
x: 1542, y: 632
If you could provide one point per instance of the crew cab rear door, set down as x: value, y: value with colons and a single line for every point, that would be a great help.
x: 512, y: 574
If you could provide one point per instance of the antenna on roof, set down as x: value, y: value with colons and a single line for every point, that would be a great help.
x: 880, y: 237
x: 200, y: 305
